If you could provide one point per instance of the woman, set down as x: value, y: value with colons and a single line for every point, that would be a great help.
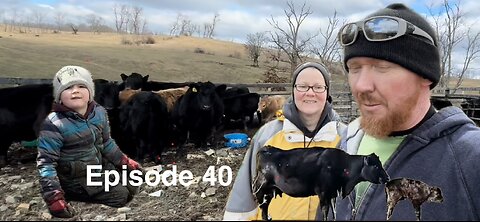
x: 308, y: 121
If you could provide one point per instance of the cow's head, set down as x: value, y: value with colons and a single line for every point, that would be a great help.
x: 373, y: 171
x: 205, y: 95
x: 435, y: 195
x: 106, y: 93
x: 134, y: 80
x: 263, y: 103
x: 267, y: 169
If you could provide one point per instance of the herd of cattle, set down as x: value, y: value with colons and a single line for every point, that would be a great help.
x: 145, y: 116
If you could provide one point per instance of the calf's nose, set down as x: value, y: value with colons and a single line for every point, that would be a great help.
x: 206, y: 107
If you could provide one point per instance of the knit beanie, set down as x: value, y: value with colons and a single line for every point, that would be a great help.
x: 319, y: 67
x: 70, y: 75
x: 412, y: 52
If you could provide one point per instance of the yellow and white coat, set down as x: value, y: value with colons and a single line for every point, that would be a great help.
x: 285, y: 135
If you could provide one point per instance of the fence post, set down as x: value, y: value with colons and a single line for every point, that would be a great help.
x: 447, y: 92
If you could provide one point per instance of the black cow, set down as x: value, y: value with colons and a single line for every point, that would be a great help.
x: 239, y: 107
x: 137, y: 81
x: 198, y: 113
x: 22, y: 111
x: 416, y: 191
x: 144, y: 122
x: 305, y: 172
x: 440, y: 103
x: 471, y: 107
x: 235, y: 91
x: 133, y: 81
x: 106, y: 93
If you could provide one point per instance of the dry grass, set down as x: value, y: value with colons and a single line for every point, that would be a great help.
x: 169, y: 59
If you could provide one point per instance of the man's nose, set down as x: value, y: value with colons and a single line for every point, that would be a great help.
x: 363, y: 80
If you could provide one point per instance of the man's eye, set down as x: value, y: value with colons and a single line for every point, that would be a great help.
x: 382, y: 68
x: 354, y: 69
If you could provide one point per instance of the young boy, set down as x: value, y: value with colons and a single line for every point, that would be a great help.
x: 76, y: 134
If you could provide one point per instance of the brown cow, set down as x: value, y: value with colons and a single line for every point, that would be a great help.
x: 269, y: 105
x: 416, y: 191
x: 126, y: 94
x: 171, y: 96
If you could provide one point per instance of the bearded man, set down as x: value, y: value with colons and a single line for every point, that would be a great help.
x: 393, y: 61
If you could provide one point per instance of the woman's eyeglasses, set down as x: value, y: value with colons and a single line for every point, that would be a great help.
x: 380, y: 28
x: 305, y: 88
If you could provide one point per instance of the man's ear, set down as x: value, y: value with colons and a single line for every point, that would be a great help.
x: 426, y: 82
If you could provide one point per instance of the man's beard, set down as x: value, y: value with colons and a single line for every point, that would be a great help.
x: 383, y: 126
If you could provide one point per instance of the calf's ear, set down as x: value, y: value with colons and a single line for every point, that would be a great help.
x: 123, y: 76
x: 220, y: 89
x: 371, y: 159
x: 145, y: 78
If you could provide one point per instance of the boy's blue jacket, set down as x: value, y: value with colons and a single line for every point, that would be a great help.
x: 67, y: 143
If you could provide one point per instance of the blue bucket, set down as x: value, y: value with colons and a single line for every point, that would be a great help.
x: 236, y: 140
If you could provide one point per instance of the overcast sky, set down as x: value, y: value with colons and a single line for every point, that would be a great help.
x: 237, y: 18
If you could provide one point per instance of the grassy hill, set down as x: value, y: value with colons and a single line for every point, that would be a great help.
x: 169, y: 59
x: 175, y: 59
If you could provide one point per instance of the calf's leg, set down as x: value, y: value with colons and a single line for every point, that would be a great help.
x: 390, y: 206
x: 417, y: 211
x: 267, y: 198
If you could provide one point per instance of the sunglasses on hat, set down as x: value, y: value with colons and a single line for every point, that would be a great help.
x: 380, y: 28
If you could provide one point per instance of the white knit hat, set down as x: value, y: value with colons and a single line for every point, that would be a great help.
x: 70, y: 75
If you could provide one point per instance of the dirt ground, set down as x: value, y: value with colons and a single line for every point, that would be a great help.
x: 21, y: 198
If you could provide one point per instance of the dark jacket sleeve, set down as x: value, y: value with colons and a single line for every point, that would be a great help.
x: 49, y: 144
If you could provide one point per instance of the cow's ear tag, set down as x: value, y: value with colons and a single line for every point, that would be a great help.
x: 194, y: 89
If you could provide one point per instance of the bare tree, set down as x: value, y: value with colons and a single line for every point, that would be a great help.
x: 192, y: 28
x: 185, y: 26
x: 209, y: 28
x: 122, y: 15
x: 176, y: 25
x: 289, y: 40
x: 254, y: 45
x: 38, y: 16
x: 326, y: 46
x: 452, y: 32
x: 137, y: 19
x: 144, y: 28
x: 95, y: 23
x: 74, y: 28
x: 59, y: 19
x: 2, y: 16
x: 471, y: 54
x: 13, y: 19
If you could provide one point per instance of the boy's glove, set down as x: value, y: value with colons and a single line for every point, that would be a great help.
x: 131, y: 164
x: 58, y: 207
